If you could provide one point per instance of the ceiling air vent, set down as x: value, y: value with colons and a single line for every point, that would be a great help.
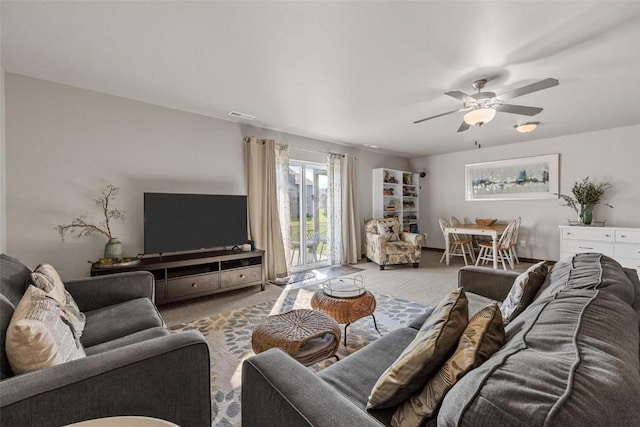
x: 241, y: 115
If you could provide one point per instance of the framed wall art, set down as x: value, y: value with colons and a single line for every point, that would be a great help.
x: 524, y: 178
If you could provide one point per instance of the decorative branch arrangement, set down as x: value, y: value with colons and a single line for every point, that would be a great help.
x: 586, y: 194
x: 80, y: 228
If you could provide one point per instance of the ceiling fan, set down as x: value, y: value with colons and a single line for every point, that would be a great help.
x: 481, y: 107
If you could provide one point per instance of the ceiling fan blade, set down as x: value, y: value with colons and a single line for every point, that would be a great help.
x: 460, y: 95
x: 533, y: 87
x: 518, y: 109
x: 463, y: 126
x: 436, y: 116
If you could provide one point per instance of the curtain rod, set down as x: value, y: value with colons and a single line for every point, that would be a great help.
x: 261, y: 140
x: 316, y: 151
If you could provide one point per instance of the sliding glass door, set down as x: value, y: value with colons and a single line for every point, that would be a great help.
x: 308, y: 210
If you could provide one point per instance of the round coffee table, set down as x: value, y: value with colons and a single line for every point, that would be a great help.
x: 345, y: 310
x: 307, y: 335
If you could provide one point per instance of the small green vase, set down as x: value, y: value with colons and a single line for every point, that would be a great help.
x: 113, y: 249
x: 587, y: 214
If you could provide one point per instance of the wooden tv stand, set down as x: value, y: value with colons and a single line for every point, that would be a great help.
x: 184, y: 276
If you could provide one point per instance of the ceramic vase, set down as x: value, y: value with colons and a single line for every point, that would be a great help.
x: 113, y: 249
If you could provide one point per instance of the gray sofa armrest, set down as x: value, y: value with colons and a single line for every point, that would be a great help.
x: 102, y: 291
x: 166, y: 377
x: 279, y: 391
x: 487, y: 282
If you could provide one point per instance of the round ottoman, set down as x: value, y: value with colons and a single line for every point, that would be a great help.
x: 308, y: 336
x: 345, y: 310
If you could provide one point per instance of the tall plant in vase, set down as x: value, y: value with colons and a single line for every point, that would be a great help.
x: 79, y: 227
x: 586, y: 195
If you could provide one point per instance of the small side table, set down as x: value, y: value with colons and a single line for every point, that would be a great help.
x: 345, y: 310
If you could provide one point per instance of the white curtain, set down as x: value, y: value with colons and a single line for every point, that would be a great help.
x: 284, y: 208
x: 263, y: 215
x: 334, y: 215
x: 350, y: 212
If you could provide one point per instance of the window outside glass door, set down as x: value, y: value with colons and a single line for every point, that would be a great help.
x: 308, y: 221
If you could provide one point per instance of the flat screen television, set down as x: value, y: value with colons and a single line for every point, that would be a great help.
x: 190, y: 222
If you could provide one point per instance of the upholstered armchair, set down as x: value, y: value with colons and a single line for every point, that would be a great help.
x: 387, y: 245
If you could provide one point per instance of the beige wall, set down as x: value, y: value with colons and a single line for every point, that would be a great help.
x: 3, y: 169
x: 610, y: 155
x: 63, y: 144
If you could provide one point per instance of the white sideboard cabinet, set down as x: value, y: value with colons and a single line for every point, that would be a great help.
x: 619, y: 243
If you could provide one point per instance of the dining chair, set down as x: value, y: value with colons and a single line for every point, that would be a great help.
x: 458, y: 245
x: 503, y: 246
x: 454, y: 222
x: 514, y: 241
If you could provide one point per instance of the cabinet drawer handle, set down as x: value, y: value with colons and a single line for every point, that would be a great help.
x: 194, y: 285
x: 584, y: 247
x: 607, y: 235
x: 623, y: 236
x: 242, y: 276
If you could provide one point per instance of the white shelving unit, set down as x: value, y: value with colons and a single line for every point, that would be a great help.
x: 397, y: 194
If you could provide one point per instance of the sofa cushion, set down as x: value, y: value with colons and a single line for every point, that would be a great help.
x: 46, y: 278
x: 134, y: 338
x: 571, y: 353
x: 482, y: 337
x: 40, y: 334
x: 355, y: 376
x: 524, y: 288
x: 588, y: 271
x: 398, y: 248
x: 432, y: 345
x: 119, y: 320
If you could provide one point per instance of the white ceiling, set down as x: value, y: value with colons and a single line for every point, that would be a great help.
x: 346, y: 72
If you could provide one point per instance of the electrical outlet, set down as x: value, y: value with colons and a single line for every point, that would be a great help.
x: 523, y: 243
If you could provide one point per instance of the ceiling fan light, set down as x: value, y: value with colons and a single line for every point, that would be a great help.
x: 479, y: 116
x: 527, y: 127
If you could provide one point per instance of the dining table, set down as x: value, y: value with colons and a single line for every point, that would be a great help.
x: 494, y: 231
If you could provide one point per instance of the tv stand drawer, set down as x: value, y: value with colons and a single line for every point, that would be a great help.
x: 240, y: 276
x: 191, y: 285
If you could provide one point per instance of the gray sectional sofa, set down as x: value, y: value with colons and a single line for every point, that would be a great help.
x: 133, y: 364
x: 571, y: 358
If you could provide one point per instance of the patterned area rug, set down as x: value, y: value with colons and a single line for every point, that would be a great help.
x: 229, y: 338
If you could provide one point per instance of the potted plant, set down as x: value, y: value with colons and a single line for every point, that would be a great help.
x: 586, y: 196
x: 79, y: 227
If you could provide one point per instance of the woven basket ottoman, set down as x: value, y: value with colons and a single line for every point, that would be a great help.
x: 309, y: 336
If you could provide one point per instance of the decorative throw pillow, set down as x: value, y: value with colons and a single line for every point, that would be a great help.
x: 39, y: 334
x: 46, y: 278
x: 523, y: 291
x: 433, y: 344
x: 483, y: 336
x: 389, y: 230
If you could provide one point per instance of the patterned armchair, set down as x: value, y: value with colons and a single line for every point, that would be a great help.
x: 387, y: 245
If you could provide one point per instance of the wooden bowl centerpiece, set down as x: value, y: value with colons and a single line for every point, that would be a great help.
x: 485, y: 222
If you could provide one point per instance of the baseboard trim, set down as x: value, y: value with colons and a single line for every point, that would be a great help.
x: 531, y: 260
